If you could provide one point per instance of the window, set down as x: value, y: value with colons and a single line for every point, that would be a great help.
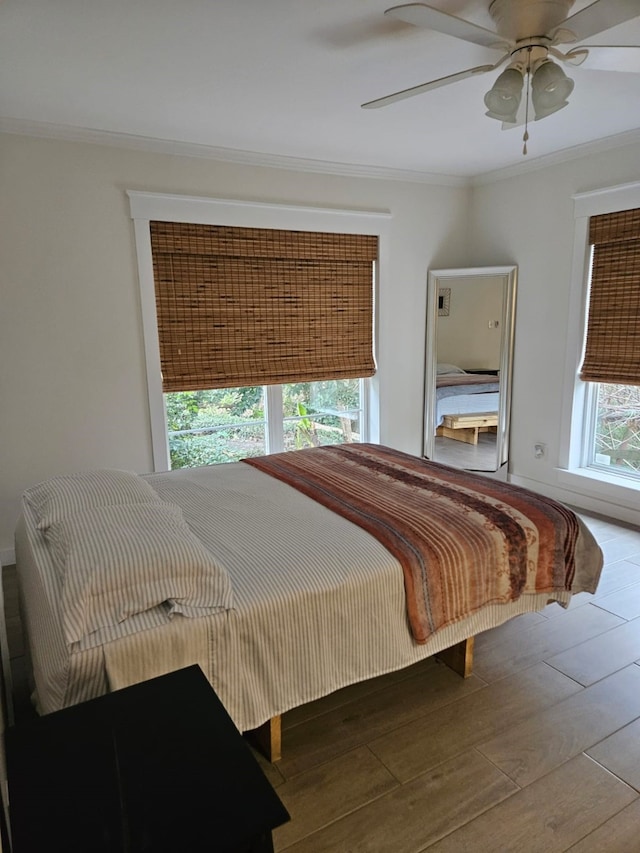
x: 274, y: 411
x: 228, y: 424
x: 612, y: 348
x: 600, y: 452
x: 239, y: 305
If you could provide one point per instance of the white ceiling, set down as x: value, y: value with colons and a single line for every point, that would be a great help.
x: 286, y: 77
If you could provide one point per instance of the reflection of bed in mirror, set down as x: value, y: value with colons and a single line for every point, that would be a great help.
x: 467, y: 404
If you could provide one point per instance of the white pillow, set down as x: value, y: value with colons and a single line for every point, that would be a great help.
x: 55, y: 499
x: 117, y: 561
x: 443, y: 368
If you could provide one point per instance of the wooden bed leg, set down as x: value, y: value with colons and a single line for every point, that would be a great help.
x: 459, y: 657
x: 267, y: 738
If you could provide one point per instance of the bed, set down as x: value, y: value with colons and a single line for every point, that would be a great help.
x: 466, y: 404
x: 310, y: 588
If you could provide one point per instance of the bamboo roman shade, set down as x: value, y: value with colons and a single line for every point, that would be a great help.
x: 254, y: 306
x: 612, y: 352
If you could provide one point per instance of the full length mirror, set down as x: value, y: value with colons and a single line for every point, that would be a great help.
x: 470, y: 332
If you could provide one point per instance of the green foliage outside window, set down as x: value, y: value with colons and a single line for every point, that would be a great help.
x: 227, y: 424
x: 194, y: 409
x: 219, y: 425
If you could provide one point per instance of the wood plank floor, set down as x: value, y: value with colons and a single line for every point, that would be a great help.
x: 476, y: 457
x: 538, y: 751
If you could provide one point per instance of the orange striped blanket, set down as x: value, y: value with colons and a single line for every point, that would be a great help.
x: 463, y: 540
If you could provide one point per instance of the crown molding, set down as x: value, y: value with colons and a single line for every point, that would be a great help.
x: 608, y: 143
x: 68, y: 133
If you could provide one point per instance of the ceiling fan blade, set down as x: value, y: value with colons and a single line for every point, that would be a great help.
x: 427, y: 87
x: 421, y: 15
x: 609, y: 57
x: 600, y: 16
x: 576, y: 56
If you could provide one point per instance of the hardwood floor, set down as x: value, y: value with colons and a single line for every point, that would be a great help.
x: 539, y: 750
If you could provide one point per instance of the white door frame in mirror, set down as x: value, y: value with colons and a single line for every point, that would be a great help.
x: 441, y: 278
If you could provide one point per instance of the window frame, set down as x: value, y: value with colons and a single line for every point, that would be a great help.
x: 578, y: 414
x: 145, y: 207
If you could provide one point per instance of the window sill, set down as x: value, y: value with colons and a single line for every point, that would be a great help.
x: 599, y: 484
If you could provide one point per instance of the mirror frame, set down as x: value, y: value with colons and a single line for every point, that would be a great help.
x: 436, y: 280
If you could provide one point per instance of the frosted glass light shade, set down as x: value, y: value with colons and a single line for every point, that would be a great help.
x: 504, y: 97
x: 550, y: 89
x: 543, y: 112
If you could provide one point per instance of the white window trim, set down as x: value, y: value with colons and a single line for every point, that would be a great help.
x: 145, y: 207
x: 572, y: 471
x: 274, y: 427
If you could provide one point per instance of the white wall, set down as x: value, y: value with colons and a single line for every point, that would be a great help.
x: 528, y: 220
x: 465, y: 336
x: 72, y: 376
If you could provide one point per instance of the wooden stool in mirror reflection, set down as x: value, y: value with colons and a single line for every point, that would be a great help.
x: 467, y: 427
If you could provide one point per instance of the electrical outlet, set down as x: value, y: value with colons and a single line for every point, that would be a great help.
x: 539, y: 450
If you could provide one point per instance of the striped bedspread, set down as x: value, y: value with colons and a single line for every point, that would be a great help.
x: 464, y: 541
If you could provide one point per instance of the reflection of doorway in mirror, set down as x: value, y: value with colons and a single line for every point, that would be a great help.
x: 444, y: 301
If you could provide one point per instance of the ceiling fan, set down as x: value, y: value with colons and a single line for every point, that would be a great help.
x: 527, y: 33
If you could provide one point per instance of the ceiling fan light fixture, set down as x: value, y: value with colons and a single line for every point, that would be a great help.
x: 550, y: 88
x: 547, y: 111
x: 503, y: 99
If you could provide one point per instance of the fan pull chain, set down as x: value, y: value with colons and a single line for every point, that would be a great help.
x: 525, y: 137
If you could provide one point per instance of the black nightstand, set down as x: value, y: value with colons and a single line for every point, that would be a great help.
x: 155, y: 767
